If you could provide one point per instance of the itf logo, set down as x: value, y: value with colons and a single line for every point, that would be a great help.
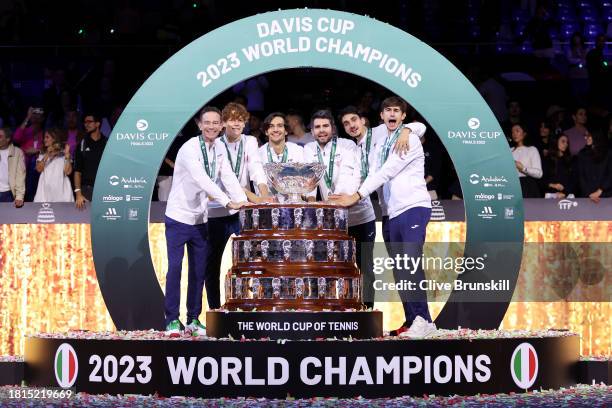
x: 567, y: 204
x: 66, y: 365
x: 142, y: 125
x: 524, y: 365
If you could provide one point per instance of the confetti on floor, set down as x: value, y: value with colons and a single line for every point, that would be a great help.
x: 579, y: 396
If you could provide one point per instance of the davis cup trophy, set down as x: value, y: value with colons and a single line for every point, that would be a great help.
x: 295, y: 256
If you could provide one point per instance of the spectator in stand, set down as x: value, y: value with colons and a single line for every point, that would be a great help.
x: 494, y: 93
x: 555, y: 116
x: 29, y: 138
x: 595, y: 168
x: 559, y: 177
x: 527, y: 161
x: 56, y: 96
x: 577, y: 133
x: 432, y: 165
x: 577, y: 72
x: 297, y: 130
x: 255, y: 130
x: 54, y: 165
x: 86, y: 160
x: 545, y: 141
x: 74, y: 134
x: 9, y: 102
x: 515, y: 115
x: 367, y: 108
x: 599, y: 70
x: 538, y: 31
x: 12, y: 170
x: 253, y: 89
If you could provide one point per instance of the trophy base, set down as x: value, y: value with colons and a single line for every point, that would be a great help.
x: 296, y: 325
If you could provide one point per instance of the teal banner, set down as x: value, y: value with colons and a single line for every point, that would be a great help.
x: 284, y: 40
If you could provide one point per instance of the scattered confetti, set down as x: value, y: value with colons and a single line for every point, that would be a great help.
x: 440, y: 334
x: 578, y: 396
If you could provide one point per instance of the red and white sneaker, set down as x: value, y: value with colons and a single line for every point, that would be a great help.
x: 399, y: 331
x: 420, y: 329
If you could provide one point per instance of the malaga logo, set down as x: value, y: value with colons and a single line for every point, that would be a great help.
x: 524, y: 365
x: 66, y: 365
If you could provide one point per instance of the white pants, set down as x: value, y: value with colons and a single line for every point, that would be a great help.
x: 164, y: 184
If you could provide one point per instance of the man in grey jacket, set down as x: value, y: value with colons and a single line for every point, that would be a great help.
x: 12, y: 170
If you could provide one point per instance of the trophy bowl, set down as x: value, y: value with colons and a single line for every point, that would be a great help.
x: 294, y: 179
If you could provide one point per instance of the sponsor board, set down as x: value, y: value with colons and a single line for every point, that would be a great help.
x: 503, y: 196
x: 141, y: 137
x: 111, y: 214
x: 487, y: 213
x: 488, y: 181
x: 111, y: 198
x: 132, y: 214
x: 128, y: 182
x: 132, y: 197
x: 566, y: 204
x: 475, y: 135
x: 484, y: 197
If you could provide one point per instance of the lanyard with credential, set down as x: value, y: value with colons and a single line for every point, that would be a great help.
x: 238, y: 158
x: 283, y: 159
x: 329, y: 175
x: 384, y: 154
x: 365, y: 156
x: 210, y: 168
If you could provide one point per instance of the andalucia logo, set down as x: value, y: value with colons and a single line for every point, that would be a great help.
x: 524, y: 365
x: 66, y: 365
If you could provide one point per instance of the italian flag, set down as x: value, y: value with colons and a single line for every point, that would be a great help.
x: 525, y: 364
x: 65, y: 365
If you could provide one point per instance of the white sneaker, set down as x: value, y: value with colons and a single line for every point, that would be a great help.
x: 195, y: 328
x: 420, y: 328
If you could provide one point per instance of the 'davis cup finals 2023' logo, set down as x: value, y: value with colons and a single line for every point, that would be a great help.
x: 66, y: 365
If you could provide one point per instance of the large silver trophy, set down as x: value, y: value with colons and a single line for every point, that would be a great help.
x: 294, y: 179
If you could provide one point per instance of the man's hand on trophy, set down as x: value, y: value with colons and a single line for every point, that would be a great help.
x: 236, y: 206
x: 344, y: 200
x: 267, y: 199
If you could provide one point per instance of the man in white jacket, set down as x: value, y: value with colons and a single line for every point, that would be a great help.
x: 242, y: 154
x: 399, y: 179
x: 199, y: 164
x: 362, y: 224
x: 277, y: 149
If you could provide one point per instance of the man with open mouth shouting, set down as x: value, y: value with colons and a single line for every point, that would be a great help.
x: 399, y: 179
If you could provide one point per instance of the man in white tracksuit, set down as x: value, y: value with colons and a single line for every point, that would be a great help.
x: 199, y: 164
x: 399, y: 179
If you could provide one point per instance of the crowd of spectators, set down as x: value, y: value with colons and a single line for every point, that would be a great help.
x: 561, y: 146
x: 560, y: 155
